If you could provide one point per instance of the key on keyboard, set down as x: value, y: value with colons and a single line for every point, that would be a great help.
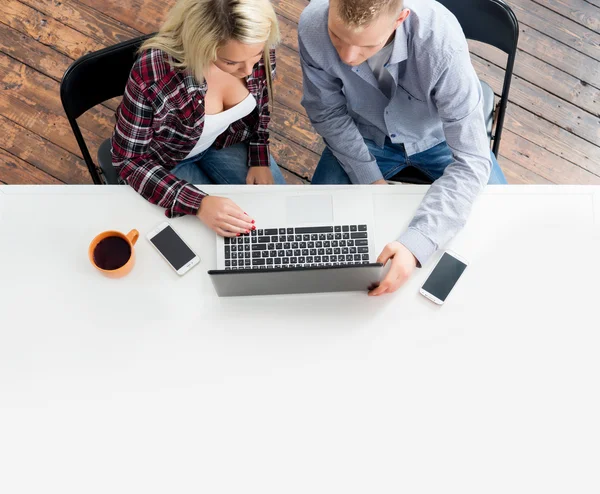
x: 336, y: 245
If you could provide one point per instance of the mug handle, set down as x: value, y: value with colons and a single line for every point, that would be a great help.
x: 133, y: 236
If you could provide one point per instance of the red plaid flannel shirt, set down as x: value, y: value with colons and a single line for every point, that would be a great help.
x: 160, y: 120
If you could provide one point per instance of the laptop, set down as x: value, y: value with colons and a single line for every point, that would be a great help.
x: 305, y: 242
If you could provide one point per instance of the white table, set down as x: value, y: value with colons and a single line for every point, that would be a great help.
x: 153, y: 384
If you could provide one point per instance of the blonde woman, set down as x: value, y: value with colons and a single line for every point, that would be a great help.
x: 196, y: 110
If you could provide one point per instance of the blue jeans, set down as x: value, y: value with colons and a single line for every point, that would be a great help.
x: 221, y: 166
x: 392, y: 159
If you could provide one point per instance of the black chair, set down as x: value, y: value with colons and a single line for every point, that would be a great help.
x: 494, y: 23
x: 91, y: 80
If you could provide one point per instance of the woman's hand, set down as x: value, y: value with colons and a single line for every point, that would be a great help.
x: 224, y: 216
x: 259, y: 175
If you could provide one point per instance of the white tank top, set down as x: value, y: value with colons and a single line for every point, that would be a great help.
x: 215, y: 125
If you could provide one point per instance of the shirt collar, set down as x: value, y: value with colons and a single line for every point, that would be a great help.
x: 400, y: 51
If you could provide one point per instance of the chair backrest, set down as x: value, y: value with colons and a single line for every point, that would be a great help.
x: 489, y: 21
x: 93, y: 79
x: 494, y: 23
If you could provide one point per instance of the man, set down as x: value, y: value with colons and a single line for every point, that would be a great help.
x: 389, y: 87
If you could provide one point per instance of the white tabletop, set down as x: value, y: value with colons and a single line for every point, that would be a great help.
x: 153, y: 384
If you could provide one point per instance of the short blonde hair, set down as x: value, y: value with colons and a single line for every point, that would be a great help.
x: 359, y: 13
x: 195, y: 29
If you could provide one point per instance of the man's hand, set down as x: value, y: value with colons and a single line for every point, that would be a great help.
x: 259, y: 175
x: 380, y: 182
x: 403, y: 264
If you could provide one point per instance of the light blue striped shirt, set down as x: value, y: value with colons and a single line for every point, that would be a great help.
x: 437, y: 97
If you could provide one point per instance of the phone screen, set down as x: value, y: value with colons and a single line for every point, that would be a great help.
x: 173, y: 248
x: 444, y: 276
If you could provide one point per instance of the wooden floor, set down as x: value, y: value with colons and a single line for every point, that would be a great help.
x: 552, y: 131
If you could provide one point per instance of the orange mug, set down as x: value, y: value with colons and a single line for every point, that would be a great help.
x: 112, y: 253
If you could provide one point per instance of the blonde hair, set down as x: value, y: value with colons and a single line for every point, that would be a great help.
x: 359, y: 13
x: 195, y: 29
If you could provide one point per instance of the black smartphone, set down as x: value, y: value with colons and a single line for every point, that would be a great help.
x: 443, y: 277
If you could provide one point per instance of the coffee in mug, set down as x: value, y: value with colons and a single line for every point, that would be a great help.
x: 112, y: 253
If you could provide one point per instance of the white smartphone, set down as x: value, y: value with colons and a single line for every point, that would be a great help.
x: 443, y: 277
x: 172, y: 248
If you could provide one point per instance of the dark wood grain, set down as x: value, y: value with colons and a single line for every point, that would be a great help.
x: 543, y: 162
x: 580, y: 11
x: 14, y: 170
x: 547, y: 77
x: 33, y: 53
x: 519, y: 175
x: 291, y: 9
x: 571, y: 148
x: 541, y: 103
x: 145, y: 16
x: 46, y: 30
x: 296, y: 127
x: 289, y: 79
x: 84, y: 19
x: 42, y: 154
x: 32, y: 100
x: 557, y: 54
x: 292, y: 179
x: 293, y: 157
x: 533, y: 15
x: 289, y: 33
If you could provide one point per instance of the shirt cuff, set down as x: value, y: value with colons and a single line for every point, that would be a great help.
x: 187, y: 201
x: 258, y: 154
x: 366, y: 173
x: 419, y: 245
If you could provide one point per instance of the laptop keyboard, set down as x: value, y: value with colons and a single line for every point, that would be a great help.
x: 281, y: 248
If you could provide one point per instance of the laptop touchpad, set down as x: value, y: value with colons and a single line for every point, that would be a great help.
x: 309, y: 209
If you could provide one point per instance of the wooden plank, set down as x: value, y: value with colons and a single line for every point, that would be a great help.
x: 145, y: 16
x: 539, y: 73
x: 32, y: 53
x: 16, y: 171
x: 516, y: 174
x: 30, y: 86
x: 296, y: 127
x: 289, y: 79
x: 32, y: 100
x: 561, y: 56
x: 292, y: 179
x: 579, y: 11
x: 290, y: 9
x: 572, y: 149
x: 289, y: 33
x: 541, y: 103
x: 46, y: 30
x: 53, y: 64
x: 149, y: 16
x: 542, y: 162
x: 533, y: 15
x: 84, y: 19
x: 42, y: 154
x: 293, y: 157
